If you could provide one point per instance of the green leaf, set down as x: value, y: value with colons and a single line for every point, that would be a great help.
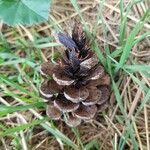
x: 15, y: 12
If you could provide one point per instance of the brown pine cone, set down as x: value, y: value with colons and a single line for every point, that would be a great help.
x: 79, y: 87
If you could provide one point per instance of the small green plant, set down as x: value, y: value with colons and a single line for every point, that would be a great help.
x: 27, y: 12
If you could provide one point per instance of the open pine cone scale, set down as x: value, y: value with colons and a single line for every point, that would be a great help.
x: 79, y: 86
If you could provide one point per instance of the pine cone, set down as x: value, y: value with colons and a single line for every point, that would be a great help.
x: 79, y: 87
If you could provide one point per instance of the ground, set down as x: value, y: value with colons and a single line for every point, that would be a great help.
x: 120, y: 36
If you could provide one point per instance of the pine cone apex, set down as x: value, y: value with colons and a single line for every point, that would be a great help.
x: 80, y: 87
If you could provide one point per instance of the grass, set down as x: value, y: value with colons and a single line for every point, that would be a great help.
x: 117, y: 30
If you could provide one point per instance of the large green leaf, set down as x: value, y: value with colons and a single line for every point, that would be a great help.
x: 14, y: 12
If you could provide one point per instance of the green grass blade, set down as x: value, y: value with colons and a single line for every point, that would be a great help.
x: 123, y: 19
x: 138, y: 68
x: 4, y: 110
x: 141, y: 37
x: 46, y: 45
x: 132, y: 135
x: 99, y: 54
x: 123, y: 140
x: 118, y: 98
x: 144, y: 101
x: 18, y: 87
x: 10, y: 131
x: 57, y: 133
x: 93, y: 144
x: 130, y: 40
x: 77, y: 9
